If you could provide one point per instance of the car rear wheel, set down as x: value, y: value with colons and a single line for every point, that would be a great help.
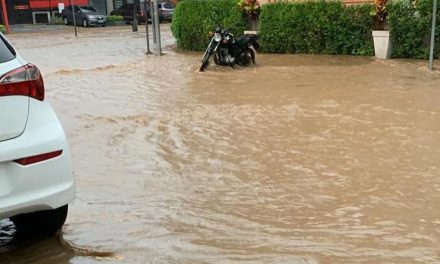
x: 66, y: 21
x: 85, y: 23
x: 43, y: 222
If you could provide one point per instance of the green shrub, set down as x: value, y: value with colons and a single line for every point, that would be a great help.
x: 56, y: 20
x: 410, y: 27
x: 2, y: 28
x: 114, y: 18
x: 314, y: 27
x: 317, y: 28
x: 194, y: 19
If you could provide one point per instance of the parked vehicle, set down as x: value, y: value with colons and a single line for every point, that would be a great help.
x: 126, y: 11
x: 228, y: 51
x: 36, y: 177
x: 166, y: 10
x: 84, y: 15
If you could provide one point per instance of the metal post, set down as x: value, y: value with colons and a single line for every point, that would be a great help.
x: 51, y: 10
x: 74, y: 19
x: 153, y: 22
x: 157, y: 26
x: 146, y: 27
x: 434, y: 17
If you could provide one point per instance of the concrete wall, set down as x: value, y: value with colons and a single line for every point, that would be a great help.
x: 109, y: 6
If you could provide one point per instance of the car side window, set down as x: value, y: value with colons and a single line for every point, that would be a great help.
x: 6, y: 51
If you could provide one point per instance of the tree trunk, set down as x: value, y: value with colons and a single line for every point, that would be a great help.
x: 136, y: 7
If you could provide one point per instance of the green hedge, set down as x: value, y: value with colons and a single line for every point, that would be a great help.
x: 114, y: 18
x: 317, y: 28
x: 193, y: 19
x: 410, y: 26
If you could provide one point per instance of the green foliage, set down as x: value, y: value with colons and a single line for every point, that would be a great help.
x: 114, y: 18
x: 2, y: 28
x: 194, y: 19
x: 250, y: 8
x: 56, y: 20
x: 316, y: 28
x: 410, y: 26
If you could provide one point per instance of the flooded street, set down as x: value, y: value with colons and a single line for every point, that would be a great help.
x: 300, y: 159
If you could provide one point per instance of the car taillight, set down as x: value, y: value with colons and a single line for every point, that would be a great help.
x: 25, y: 81
x: 38, y: 158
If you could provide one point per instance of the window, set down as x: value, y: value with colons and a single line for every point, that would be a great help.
x: 88, y: 9
x: 7, y: 53
x: 168, y: 6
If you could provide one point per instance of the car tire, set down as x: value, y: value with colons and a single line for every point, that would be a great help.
x: 85, y: 23
x: 66, y: 21
x: 42, y: 222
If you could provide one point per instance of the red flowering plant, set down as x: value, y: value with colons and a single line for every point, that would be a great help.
x: 380, y: 13
x: 250, y: 8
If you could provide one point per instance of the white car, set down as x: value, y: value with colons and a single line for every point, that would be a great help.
x: 36, y: 176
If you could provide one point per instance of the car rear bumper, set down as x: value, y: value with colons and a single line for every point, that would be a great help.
x: 167, y: 17
x: 41, y: 186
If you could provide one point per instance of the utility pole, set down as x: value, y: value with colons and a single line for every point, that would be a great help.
x: 5, y: 16
x: 434, y: 17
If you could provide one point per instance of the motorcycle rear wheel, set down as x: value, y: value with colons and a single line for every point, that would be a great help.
x: 252, y: 53
x: 248, y: 53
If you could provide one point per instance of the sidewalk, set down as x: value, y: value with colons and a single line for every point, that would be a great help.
x: 22, y: 28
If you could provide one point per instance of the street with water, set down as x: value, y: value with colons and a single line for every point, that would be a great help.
x: 299, y: 159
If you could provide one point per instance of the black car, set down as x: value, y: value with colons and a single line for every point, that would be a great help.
x: 84, y: 15
x: 126, y: 11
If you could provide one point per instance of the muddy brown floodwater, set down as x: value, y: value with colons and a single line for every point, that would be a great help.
x: 301, y: 159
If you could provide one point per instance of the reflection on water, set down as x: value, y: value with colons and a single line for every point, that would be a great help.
x: 16, y: 247
x: 301, y: 159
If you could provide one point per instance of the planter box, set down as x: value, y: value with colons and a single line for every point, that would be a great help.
x: 382, y: 44
x: 253, y: 24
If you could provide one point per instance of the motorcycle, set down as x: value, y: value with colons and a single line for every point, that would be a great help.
x: 228, y: 51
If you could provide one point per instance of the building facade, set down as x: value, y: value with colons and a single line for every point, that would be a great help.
x: 23, y: 11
